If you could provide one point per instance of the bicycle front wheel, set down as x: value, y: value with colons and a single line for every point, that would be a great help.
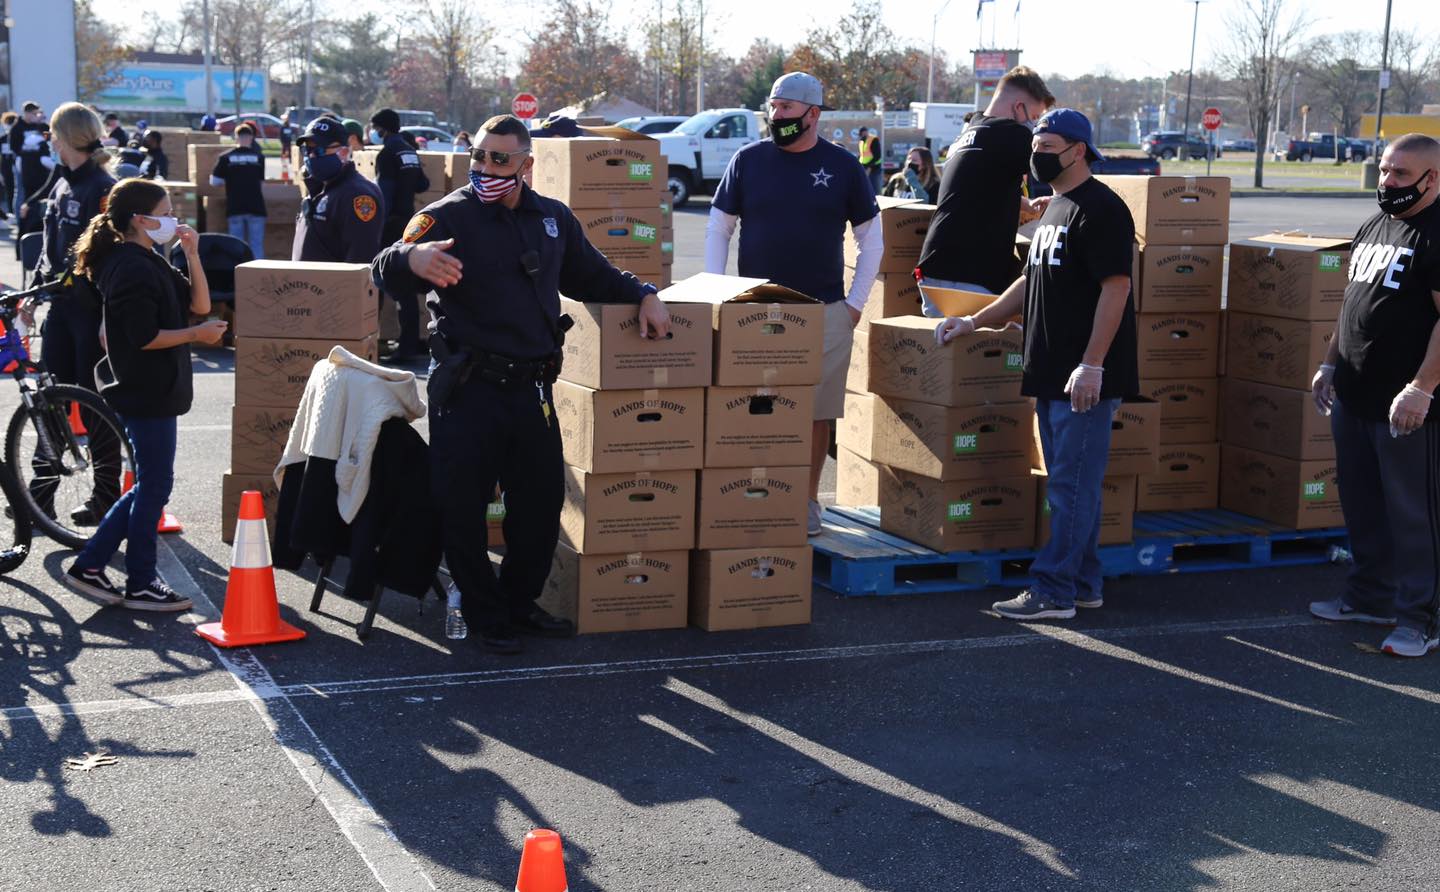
x: 16, y: 527
x: 68, y: 453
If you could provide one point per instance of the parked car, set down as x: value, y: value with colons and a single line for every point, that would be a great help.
x: 1323, y: 145
x: 699, y: 149
x: 436, y: 140
x: 651, y: 124
x: 1238, y: 145
x: 267, y: 125
x: 414, y: 117
x: 298, y: 117
x: 1170, y: 144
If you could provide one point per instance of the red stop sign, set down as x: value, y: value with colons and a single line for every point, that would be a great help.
x: 525, y: 105
x: 1210, y: 119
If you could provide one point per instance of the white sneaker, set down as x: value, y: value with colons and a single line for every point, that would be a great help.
x: 1408, y: 642
x: 814, y: 527
x: 1337, y: 611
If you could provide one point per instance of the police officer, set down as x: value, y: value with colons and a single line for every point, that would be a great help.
x: 497, y: 256
x: 401, y: 178
x: 340, y: 219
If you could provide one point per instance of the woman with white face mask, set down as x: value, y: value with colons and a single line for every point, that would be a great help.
x: 145, y: 376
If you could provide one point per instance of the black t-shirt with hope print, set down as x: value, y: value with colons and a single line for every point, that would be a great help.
x: 1389, y: 311
x: 1086, y: 236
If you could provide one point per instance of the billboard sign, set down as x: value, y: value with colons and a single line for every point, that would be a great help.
x: 181, y: 88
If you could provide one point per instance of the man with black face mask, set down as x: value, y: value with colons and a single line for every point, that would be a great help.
x: 1378, y: 384
x: 1080, y: 355
x: 340, y: 219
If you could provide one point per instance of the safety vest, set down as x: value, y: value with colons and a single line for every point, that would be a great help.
x: 867, y: 155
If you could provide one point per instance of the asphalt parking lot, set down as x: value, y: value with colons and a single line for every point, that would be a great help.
x: 1197, y: 732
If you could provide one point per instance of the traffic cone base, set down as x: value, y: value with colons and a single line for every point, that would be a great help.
x: 169, y: 523
x: 542, y: 863
x: 252, y: 610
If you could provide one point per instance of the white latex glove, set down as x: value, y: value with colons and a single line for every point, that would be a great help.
x: 1084, y: 387
x: 1408, y: 411
x: 952, y: 328
x: 1322, y: 388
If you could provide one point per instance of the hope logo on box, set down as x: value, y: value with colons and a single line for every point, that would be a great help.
x: 1313, y: 490
x: 959, y: 512
x: 644, y: 233
x: 967, y: 443
x: 1329, y: 262
x: 1014, y: 362
x: 641, y: 170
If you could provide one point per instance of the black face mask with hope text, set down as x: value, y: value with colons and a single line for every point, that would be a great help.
x: 1399, y: 199
x: 786, y: 130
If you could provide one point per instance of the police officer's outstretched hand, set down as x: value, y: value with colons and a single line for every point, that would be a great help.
x: 429, y: 261
x: 654, y: 318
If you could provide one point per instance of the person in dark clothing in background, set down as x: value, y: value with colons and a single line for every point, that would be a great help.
x: 30, y: 144
x: 7, y: 166
x: 400, y: 178
x: 114, y: 133
x: 155, y: 166
x: 497, y: 256
x: 340, y: 220
x: 242, y: 172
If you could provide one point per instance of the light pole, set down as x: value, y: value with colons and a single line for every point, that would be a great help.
x: 700, y: 75
x: 930, y: 81
x: 205, y: 36
x: 1370, y: 174
x: 310, y: 42
x: 1189, y: 87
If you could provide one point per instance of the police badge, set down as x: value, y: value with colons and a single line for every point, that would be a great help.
x: 552, y: 228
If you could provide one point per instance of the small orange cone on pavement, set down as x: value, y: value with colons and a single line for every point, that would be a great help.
x: 252, y: 611
x: 169, y: 523
x: 76, y: 425
x: 542, y: 863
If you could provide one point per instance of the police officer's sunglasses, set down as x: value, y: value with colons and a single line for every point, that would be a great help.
x: 500, y: 158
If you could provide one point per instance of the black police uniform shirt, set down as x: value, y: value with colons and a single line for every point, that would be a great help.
x: 972, y: 234
x: 77, y: 197
x: 1389, y: 311
x: 243, y: 170
x: 341, y: 223
x: 497, y: 307
x: 155, y: 166
x: 28, y: 142
x: 400, y: 175
x: 1085, y: 236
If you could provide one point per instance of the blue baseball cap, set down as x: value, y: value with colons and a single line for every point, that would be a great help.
x: 1072, y: 125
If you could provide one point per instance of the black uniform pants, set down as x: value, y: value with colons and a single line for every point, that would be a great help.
x: 489, y: 434
x: 70, y: 348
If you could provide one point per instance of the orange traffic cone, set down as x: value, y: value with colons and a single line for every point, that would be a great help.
x: 542, y: 863
x: 169, y: 523
x: 252, y: 611
x: 284, y: 170
x: 76, y: 425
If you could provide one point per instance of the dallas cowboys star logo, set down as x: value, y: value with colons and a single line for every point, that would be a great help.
x: 822, y: 178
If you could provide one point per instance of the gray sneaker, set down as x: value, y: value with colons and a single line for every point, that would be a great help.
x: 1090, y: 601
x: 1408, y: 642
x: 813, y: 527
x: 1337, y: 611
x: 1028, y: 606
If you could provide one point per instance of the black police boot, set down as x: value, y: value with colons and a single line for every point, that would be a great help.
x: 499, y: 640
x: 539, y: 624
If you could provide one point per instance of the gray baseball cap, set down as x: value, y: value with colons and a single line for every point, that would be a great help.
x: 798, y: 86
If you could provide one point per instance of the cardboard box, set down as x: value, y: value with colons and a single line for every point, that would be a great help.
x: 1301, y: 495
x: 232, y: 485
x: 765, y: 334
x: 292, y: 299
x: 279, y: 242
x: 621, y: 513
x: 751, y: 588
x: 619, y: 170
x: 436, y: 166
x: 1277, y: 420
x: 257, y: 437
x: 1176, y: 210
x: 1134, y: 440
x: 857, y: 376
x: 628, y: 237
x: 958, y: 302
x: 958, y: 515
x: 618, y: 593
x: 1188, y: 408
x: 904, y: 223
x: 753, y: 427
x: 857, y: 479
x: 1117, y: 510
x: 457, y: 169
x: 274, y: 371
x: 893, y: 294
x: 201, y: 162
x: 1188, y: 479
x: 1178, y: 345
x: 604, y: 350
x: 1179, y: 278
x: 1273, y: 350
x: 752, y: 507
x: 495, y: 524
x: 213, y: 216
x: 1291, y: 275
x: 856, y: 430
x: 184, y: 201
x: 905, y: 362
x: 943, y: 443
x: 282, y: 202
x: 620, y: 431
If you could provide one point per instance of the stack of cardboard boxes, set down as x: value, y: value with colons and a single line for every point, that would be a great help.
x: 615, y: 184
x: 687, y: 479
x: 288, y: 317
x: 1278, y: 458
x: 1181, y: 227
x: 176, y: 143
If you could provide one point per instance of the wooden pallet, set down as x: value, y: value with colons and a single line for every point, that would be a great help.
x: 853, y: 556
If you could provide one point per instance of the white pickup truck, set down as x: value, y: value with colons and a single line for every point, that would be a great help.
x: 698, y: 151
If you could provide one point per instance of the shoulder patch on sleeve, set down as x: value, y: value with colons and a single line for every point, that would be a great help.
x: 365, y: 209
x: 418, y: 226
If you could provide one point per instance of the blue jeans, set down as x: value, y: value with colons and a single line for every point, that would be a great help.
x: 249, y: 228
x: 135, y: 517
x: 1076, y: 448
x: 929, y: 309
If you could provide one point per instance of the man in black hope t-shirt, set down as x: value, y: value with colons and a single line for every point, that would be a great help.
x: 1080, y: 356
x: 1377, y: 384
x: 971, y: 242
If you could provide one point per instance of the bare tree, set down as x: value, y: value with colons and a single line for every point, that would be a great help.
x: 1264, y: 41
x: 1414, y: 65
x: 98, y: 50
x: 851, y: 58
x: 580, y: 53
x: 458, y: 37
x: 1343, y: 67
x: 249, y: 37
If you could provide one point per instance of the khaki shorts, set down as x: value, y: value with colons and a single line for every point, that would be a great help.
x: 839, y: 335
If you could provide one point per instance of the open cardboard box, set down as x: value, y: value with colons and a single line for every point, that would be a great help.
x: 765, y: 334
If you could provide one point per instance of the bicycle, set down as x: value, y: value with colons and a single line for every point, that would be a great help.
x: 66, y: 449
x: 16, y: 527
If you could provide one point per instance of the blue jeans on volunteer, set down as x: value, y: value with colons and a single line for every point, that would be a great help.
x: 250, y: 229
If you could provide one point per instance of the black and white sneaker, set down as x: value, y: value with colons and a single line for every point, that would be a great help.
x: 94, y: 584
x: 1028, y: 606
x: 156, y: 596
